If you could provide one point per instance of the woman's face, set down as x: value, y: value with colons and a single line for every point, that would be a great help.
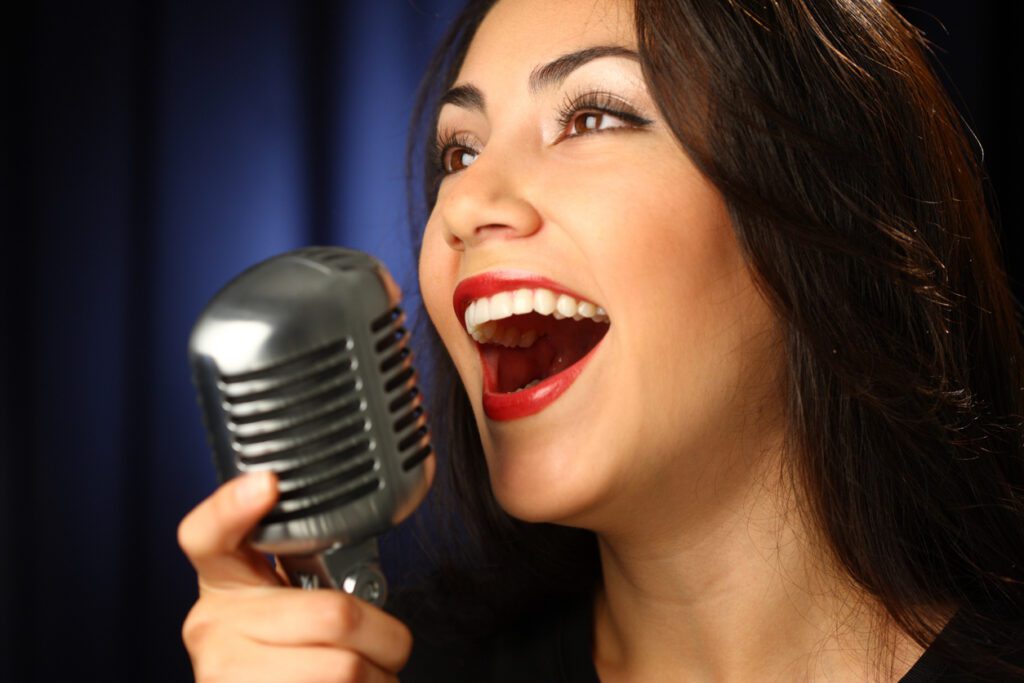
x: 566, y: 189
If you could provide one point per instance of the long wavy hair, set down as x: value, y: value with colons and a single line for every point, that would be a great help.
x: 858, y: 202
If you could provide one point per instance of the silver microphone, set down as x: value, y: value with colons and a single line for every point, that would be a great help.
x: 303, y: 367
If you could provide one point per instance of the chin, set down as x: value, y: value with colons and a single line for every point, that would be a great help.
x: 540, y: 480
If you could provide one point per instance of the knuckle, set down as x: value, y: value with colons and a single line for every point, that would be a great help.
x: 196, y: 627
x: 403, y: 644
x: 210, y: 664
x: 221, y: 659
x: 187, y: 534
x: 352, y: 669
x: 404, y: 635
x: 201, y: 530
x: 212, y: 670
x: 197, y: 531
x: 339, y: 612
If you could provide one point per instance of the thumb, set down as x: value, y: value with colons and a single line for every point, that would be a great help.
x: 213, y: 535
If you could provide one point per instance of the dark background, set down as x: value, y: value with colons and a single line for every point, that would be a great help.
x: 153, y: 150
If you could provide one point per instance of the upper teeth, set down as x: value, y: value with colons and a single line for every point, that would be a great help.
x: 544, y: 301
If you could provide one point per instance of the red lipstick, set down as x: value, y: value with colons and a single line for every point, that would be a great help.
x: 526, y: 402
x: 499, y: 405
x: 494, y: 281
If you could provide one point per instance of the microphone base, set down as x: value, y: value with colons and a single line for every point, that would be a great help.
x: 354, y: 569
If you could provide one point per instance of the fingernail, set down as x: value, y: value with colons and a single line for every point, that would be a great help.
x: 253, y: 486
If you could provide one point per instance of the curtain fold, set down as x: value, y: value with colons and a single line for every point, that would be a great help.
x: 157, y: 149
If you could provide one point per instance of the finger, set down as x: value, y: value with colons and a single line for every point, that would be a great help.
x: 213, y: 534
x: 309, y: 664
x: 280, y: 571
x: 290, y: 617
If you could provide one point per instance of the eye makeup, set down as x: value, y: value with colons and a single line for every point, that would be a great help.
x: 602, y: 102
x: 450, y: 148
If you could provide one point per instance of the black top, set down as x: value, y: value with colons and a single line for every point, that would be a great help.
x: 555, y: 646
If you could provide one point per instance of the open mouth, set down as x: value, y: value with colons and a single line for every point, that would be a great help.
x: 532, y: 343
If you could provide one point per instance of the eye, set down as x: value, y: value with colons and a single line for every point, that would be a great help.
x: 455, y: 159
x: 589, y: 121
x: 593, y: 112
x: 452, y: 152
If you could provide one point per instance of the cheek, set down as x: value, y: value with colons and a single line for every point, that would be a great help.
x: 696, y: 284
x: 438, y: 271
x: 684, y: 299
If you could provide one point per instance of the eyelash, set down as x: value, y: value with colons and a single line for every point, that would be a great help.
x: 600, y: 102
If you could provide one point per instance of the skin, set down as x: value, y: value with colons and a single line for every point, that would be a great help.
x: 247, y: 625
x: 669, y: 444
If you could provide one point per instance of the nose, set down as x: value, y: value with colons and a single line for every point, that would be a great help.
x: 487, y: 200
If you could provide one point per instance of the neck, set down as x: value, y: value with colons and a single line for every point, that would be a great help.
x: 735, y: 591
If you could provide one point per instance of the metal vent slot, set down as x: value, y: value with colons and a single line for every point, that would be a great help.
x: 326, y: 461
x: 291, y: 407
x: 400, y: 379
x: 301, y: 386
x: 408, y: 419
x: 309, y: 378
x: 290, y: 366
x: 416, y: 458
x: 275, y: 431
x: 397, y: 336
x: 413, y: 439
x: 313, y: 450
x: 392, y: 317
x: 334, y: 478
x: 404, y: 399
x: 406, y: 406
x: 288, y: 511
x: 395, y: 359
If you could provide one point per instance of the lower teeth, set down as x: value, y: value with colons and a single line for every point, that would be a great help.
x: 531, y: 384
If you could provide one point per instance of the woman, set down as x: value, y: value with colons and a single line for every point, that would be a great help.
x: 783, y: 439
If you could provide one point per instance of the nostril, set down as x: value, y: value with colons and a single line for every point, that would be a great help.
x: 454, y: 242
x: 494, y: 230
x: 475, y: 217
x: 459, y: 241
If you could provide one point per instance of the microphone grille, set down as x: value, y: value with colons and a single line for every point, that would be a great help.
x: 394, y: 357
x: 306, y: 414
x: 303, y: 365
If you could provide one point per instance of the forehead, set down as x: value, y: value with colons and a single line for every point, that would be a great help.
x: 519, y: 34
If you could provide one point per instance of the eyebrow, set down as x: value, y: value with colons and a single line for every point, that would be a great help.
x: 468, y: 96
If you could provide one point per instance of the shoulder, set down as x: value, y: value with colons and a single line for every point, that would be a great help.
x: 548, y: 643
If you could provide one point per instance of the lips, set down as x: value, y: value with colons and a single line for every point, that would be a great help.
x: 495, y: 281
x: 555, y: 360
x: 502, y: 406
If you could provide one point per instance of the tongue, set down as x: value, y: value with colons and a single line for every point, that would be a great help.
x: 518, y: 367
x: 561, y: 345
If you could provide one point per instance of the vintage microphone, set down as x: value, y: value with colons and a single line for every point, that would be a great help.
x: 303, y: 367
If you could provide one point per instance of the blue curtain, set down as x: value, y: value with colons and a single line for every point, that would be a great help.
x: 155, y: 149
x: 159, y: 148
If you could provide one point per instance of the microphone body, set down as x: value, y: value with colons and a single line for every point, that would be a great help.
x: 303, y: 367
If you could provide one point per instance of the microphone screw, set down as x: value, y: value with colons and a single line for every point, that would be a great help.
x: 366, y: 582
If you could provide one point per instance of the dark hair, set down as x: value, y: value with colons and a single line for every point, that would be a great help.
x: 858, y: 203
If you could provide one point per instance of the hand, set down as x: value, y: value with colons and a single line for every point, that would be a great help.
x: 247, y: 625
